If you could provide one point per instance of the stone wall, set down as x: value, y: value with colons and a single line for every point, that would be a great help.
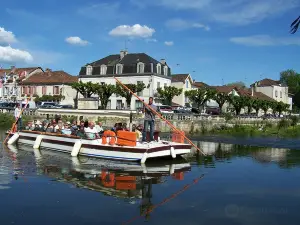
x: 88, y: 103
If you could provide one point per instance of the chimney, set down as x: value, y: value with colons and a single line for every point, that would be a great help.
x: 252, y: 90
x: 123, y: 53
x: 163, y: 61
x: 12, y: 68
x: 194, y: 80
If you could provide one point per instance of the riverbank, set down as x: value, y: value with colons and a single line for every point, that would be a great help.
x: 7, y: 120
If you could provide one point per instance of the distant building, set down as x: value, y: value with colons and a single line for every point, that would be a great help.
x: 274, y: 89
x: 185, y: 82
x: 128, y: 68
x: 10, y: 79
x: 50, y: 83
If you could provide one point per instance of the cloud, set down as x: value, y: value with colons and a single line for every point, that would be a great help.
x: 233, y: 12
x: 169, y: 43
x: 265, y: 40
x: 136, y: 30
x: 12, y: 55
x: 7, y: 37
x: 180, y: 24
x: 76, y: 41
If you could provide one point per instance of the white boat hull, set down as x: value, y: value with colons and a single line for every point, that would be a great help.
x: 95, y: 148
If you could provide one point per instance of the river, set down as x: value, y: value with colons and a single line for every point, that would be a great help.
x: 235, y: 184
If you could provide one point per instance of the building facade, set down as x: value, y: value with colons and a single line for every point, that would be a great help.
x: 10, y: 89
x: 53, y: 83
x: 274, y: 89
x: 185, y: 82
x: 129, y: 68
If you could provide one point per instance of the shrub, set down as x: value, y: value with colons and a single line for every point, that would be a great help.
x: 294, y: 120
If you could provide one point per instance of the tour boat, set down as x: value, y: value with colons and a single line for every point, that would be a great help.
x: 124, y: 146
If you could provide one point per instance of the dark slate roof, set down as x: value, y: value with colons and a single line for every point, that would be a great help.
x: 128, y: 59
x: 200, y: 84
x: 179, y: 77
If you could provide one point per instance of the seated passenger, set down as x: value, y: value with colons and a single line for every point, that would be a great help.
x: 29, y: 126
x: 138, y: 133
x: 59, y: 127
x: 80, y: 133
x: 37, y: 126
x: 124, y: 127
x: 99, y: 128
x: 66, y: 130
x: 91, y: 131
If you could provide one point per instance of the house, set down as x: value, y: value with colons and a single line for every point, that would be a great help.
x: 274, y: 89
x: 185, y: 82
x: 237, y: 91
x: 129, y: 68
x: 53, y: 83
x: 10, y: 80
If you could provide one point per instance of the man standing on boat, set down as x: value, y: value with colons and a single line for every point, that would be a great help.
x: 149, y: 120
x: 18, y: 116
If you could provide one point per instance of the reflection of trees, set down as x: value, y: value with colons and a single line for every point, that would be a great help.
x: 284, y: 158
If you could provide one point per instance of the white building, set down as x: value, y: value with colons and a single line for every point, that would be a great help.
x: 10, y: 89
x: 53, y: 83
x: 274, y: 89
x: 185, y: 82
x: 129, y: 68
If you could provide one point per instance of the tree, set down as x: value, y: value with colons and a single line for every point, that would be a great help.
x: 168, y: 93
x: 256, y: 105
x: 292, y: 79
x: 249, y: 103
x: 198, y: 96
x: 220, y: 98
x: 295, y: 25
x: 239, y: 84
x: 279, y: 107
x: 127, y: 94
x: 238, y: 102
x: 265, y: 105
x: 86, y: 89
x: 104, y: 92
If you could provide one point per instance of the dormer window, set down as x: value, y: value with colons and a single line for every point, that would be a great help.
x: 158, y: 69
x: 140, y: 67
x: 119, y: 68
x: 166, y: 70
x: 103, y: 69
x: 89, y: 70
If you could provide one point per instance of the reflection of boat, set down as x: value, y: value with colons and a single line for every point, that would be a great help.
x: 97, y: 148
x: 119, y: 179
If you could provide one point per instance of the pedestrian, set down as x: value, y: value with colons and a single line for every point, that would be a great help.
x: 18, y: 117
x: 149, y: 120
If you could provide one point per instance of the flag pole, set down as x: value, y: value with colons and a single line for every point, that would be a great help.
x: 14, y: 124
x: 161, y: 117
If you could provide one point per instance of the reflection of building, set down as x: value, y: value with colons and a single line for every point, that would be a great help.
x: 271, y: 155
x: 210, y: 148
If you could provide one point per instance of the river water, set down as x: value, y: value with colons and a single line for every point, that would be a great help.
x: 235, y: 185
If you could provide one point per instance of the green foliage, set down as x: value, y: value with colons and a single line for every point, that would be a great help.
x: 292, y: 79
x: 7, y: 120
x: 249, y: 103
x: 228, y: 117
x: 256, y: 105
x: 127, y: 94
x: 168, y: 93
x: 283, y: 124
x: 198, y: 96
x: 220, y: 98
x: 239, y: 84
x: 294, y: 120
x: 104, y: 92
x: 86, y: 89
x: 238, y: 102
x: 295, y: 25
x: 69, y: 118
x: 265, y: 105
x: 49, y: 98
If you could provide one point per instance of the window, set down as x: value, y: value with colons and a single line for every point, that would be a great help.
x: 140, y: 67
x: 29, y: 91
x: 281, y: 94
x: 151, y: 67
x: 44, y: 90
x: 119, y: 69
x: 119, y: 104
x: 158, y: 85
x: 158, y: 69
x: 186, y: 99
x: 166, y: 70
x: 140, y: 93
x: 276, y: 94
x: 103, y: 69
x: 24, y: 90
x: 89, y: 70
x: 187, y: 84
x: 138, y: 104
x: 165, y: 84
x: 56, y: 90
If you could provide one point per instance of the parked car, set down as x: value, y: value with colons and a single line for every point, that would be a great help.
x: 46, y: 104
x: 213, y: 111
x: 165, y: 109
x: 63, y: 106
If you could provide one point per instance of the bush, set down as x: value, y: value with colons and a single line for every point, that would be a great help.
x: 294, y: 120
x: 228, y: 117
x: 283, y: 124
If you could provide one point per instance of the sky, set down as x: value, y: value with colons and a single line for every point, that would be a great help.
x: 215, y: 41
